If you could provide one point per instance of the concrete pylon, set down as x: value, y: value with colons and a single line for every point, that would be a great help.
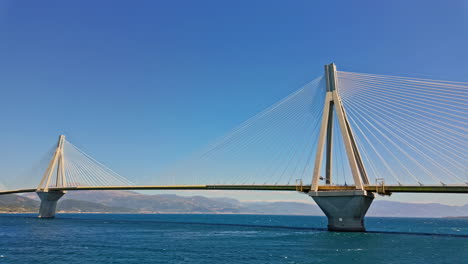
x: 49, y: 203
x: 345, y: 209
x: 56, y: 169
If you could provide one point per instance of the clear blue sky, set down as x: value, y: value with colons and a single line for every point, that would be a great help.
x: 138, y: 84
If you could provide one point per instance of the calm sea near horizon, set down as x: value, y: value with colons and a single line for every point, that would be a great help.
x: 193, y: 238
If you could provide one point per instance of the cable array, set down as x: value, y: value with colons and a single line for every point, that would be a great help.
x: 28, y: 176
x: 82, y: 170
x: 408, y: 130
x: 273, y: 147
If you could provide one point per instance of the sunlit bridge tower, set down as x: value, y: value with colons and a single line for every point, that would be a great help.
x: 55, y: 175
x: 345, y: 210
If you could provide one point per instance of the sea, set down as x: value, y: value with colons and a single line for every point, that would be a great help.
x: 212, y: 238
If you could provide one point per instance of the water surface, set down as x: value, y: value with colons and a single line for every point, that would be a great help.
x: 112, y: 238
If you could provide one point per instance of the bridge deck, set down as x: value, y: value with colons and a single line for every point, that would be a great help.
x: 306, y: 188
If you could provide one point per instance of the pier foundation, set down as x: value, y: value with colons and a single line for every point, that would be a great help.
x: 49, y: 203
x: 345, y: 210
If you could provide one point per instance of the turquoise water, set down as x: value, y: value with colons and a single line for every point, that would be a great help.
x: 110, y: 238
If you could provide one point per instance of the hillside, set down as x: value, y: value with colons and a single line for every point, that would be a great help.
x: 70, y: 205
x: 17, y: 204
x: 133, y: 202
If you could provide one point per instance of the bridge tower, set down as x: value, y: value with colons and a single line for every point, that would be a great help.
x: 55, y: 169
x: 345, y: 210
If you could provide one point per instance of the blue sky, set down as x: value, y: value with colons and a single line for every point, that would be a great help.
x: 141, y: 84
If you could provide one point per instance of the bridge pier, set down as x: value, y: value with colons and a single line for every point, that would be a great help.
x: 49, y: 203
x: 345, y: 210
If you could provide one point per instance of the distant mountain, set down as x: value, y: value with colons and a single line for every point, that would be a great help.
x: 21, y: 204
x: 168, y: 203
x: 70, y: 205
x: 17, y: 204
x: 283, y: 208
x: 133, y: 202
x: 397, y: 209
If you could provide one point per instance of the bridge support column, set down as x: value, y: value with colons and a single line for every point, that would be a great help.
x: 49, y: 203
x: 345, y: 210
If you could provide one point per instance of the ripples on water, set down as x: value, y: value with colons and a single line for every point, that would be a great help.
x: 106, y: 238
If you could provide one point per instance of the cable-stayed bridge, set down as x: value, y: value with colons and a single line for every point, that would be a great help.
x: 340, y: 139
